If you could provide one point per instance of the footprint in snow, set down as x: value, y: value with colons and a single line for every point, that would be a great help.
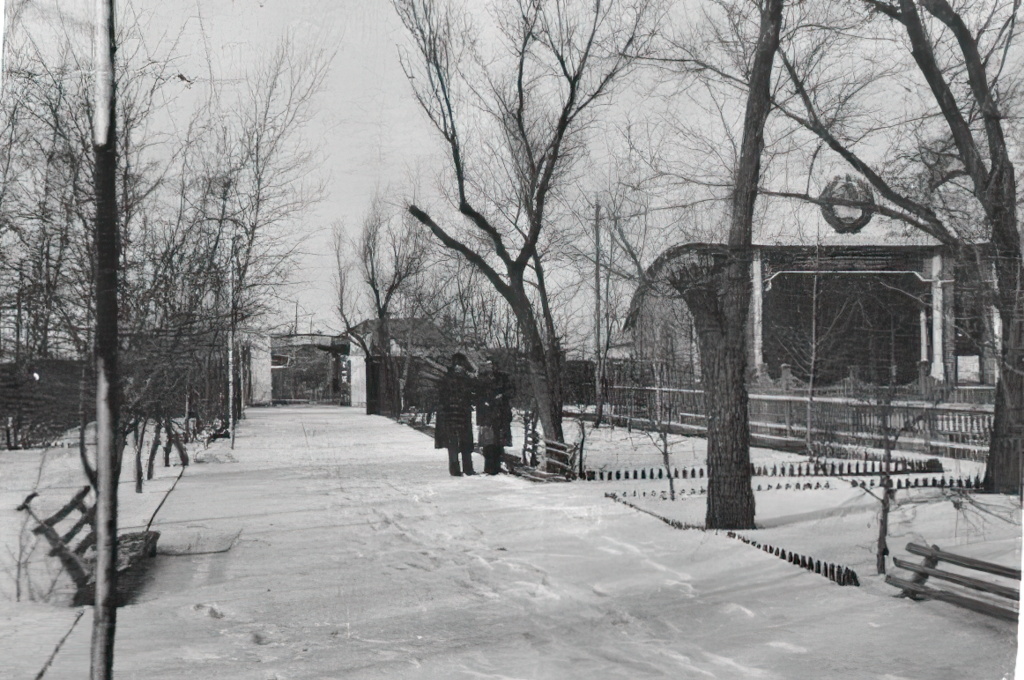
x: 210, y: 610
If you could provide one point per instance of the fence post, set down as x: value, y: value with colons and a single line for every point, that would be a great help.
x: 786, y: 380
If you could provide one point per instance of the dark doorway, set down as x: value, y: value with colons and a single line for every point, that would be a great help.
x: 863, y: 325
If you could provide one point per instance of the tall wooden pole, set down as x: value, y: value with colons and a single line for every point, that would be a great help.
x: 225, y: 188
x: 598, y: 401
x: 107, y: 383
x: 231, y: 342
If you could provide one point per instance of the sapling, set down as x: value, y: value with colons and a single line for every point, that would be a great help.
x: 659, y: 431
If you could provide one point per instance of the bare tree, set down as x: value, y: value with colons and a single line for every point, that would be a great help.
x: 389, y: 254
x: 715, y: 281
x: 554, y: 63
x: 388, y: 258
x: 948, y: 168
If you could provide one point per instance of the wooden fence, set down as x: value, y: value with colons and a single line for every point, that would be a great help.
x: 781, y: 420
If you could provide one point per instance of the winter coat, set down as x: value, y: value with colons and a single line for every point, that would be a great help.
x: 453, y: 426
x: 494, y: 409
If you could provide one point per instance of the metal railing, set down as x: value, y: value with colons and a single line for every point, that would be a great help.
x: 951, y: 430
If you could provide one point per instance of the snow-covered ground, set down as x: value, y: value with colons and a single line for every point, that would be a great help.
x: 332, y: 544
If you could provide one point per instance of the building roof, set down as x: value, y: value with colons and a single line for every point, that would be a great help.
x: 320, y: 340
x: 782, y: 221
x: 418, y: 333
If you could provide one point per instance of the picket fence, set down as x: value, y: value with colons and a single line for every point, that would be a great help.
x: 836, y: 573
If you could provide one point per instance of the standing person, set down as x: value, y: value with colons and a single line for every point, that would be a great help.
x: 453, y: 429
x: 494, y: 416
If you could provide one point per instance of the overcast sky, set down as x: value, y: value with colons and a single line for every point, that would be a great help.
x: 368, y: 129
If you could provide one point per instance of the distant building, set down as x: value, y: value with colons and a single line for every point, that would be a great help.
x: 309, y: 368
x: 388, y: 357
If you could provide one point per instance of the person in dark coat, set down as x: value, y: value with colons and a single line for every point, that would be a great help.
x: 494, y: 416
x: 453, y: 429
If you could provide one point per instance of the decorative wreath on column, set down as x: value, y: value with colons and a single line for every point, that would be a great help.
x: 847, y: 204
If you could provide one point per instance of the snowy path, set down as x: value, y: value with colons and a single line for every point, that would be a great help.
x: 359, y: 557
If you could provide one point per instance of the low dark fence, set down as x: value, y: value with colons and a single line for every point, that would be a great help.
x: 959, y: 484
x: 898, y: 466
x: 837, y: 573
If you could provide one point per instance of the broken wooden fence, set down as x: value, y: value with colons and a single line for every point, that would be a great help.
x: 1004, y: 600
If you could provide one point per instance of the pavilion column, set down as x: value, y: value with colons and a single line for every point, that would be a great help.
x: 938, y: 321
x: 757, y: 314
x: 997, y: 343
x: 923, y: 319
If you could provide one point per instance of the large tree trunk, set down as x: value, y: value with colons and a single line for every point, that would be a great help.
x: 545, y: 381
x: 544, y: 360
x: 723, y: 361
x: 724, y: 319
x: 1003, y: 472
x: 995, y: 187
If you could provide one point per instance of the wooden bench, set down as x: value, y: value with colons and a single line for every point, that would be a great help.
x: 1005, y: 600
x: 561, y: 460
x: 76, y: 549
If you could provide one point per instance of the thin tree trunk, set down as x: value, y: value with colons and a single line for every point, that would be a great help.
x: 153, y: 448
x: 882, y: 549
x: 107, y: 380
x: 83, y: 452
x: 140, y: 437
x: 812, y: 374
x: 175, y: 441
x: 188, y: 415
x: 666, y: 457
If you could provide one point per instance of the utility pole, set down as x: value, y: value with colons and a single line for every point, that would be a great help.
x: 18, y: 305
x: 231, y: 345
x: 231, y: 311
x: 107, y: 241
x: 598, y: 397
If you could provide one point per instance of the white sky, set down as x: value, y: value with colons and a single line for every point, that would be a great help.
x: 368, y: 129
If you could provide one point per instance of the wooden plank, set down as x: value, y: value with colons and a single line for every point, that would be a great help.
x: 961, y: 561
x: 73, y: 504
x: 556, y: 446
x: 953, y: 598
x: 558, y: 463
x: 966, y: 581
x: 539, y: 475
x: 85, y: 519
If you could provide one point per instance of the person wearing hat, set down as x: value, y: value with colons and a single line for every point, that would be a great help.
x: 453, y: 429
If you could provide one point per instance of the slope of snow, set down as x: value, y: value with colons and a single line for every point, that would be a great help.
x: 351, y: 553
